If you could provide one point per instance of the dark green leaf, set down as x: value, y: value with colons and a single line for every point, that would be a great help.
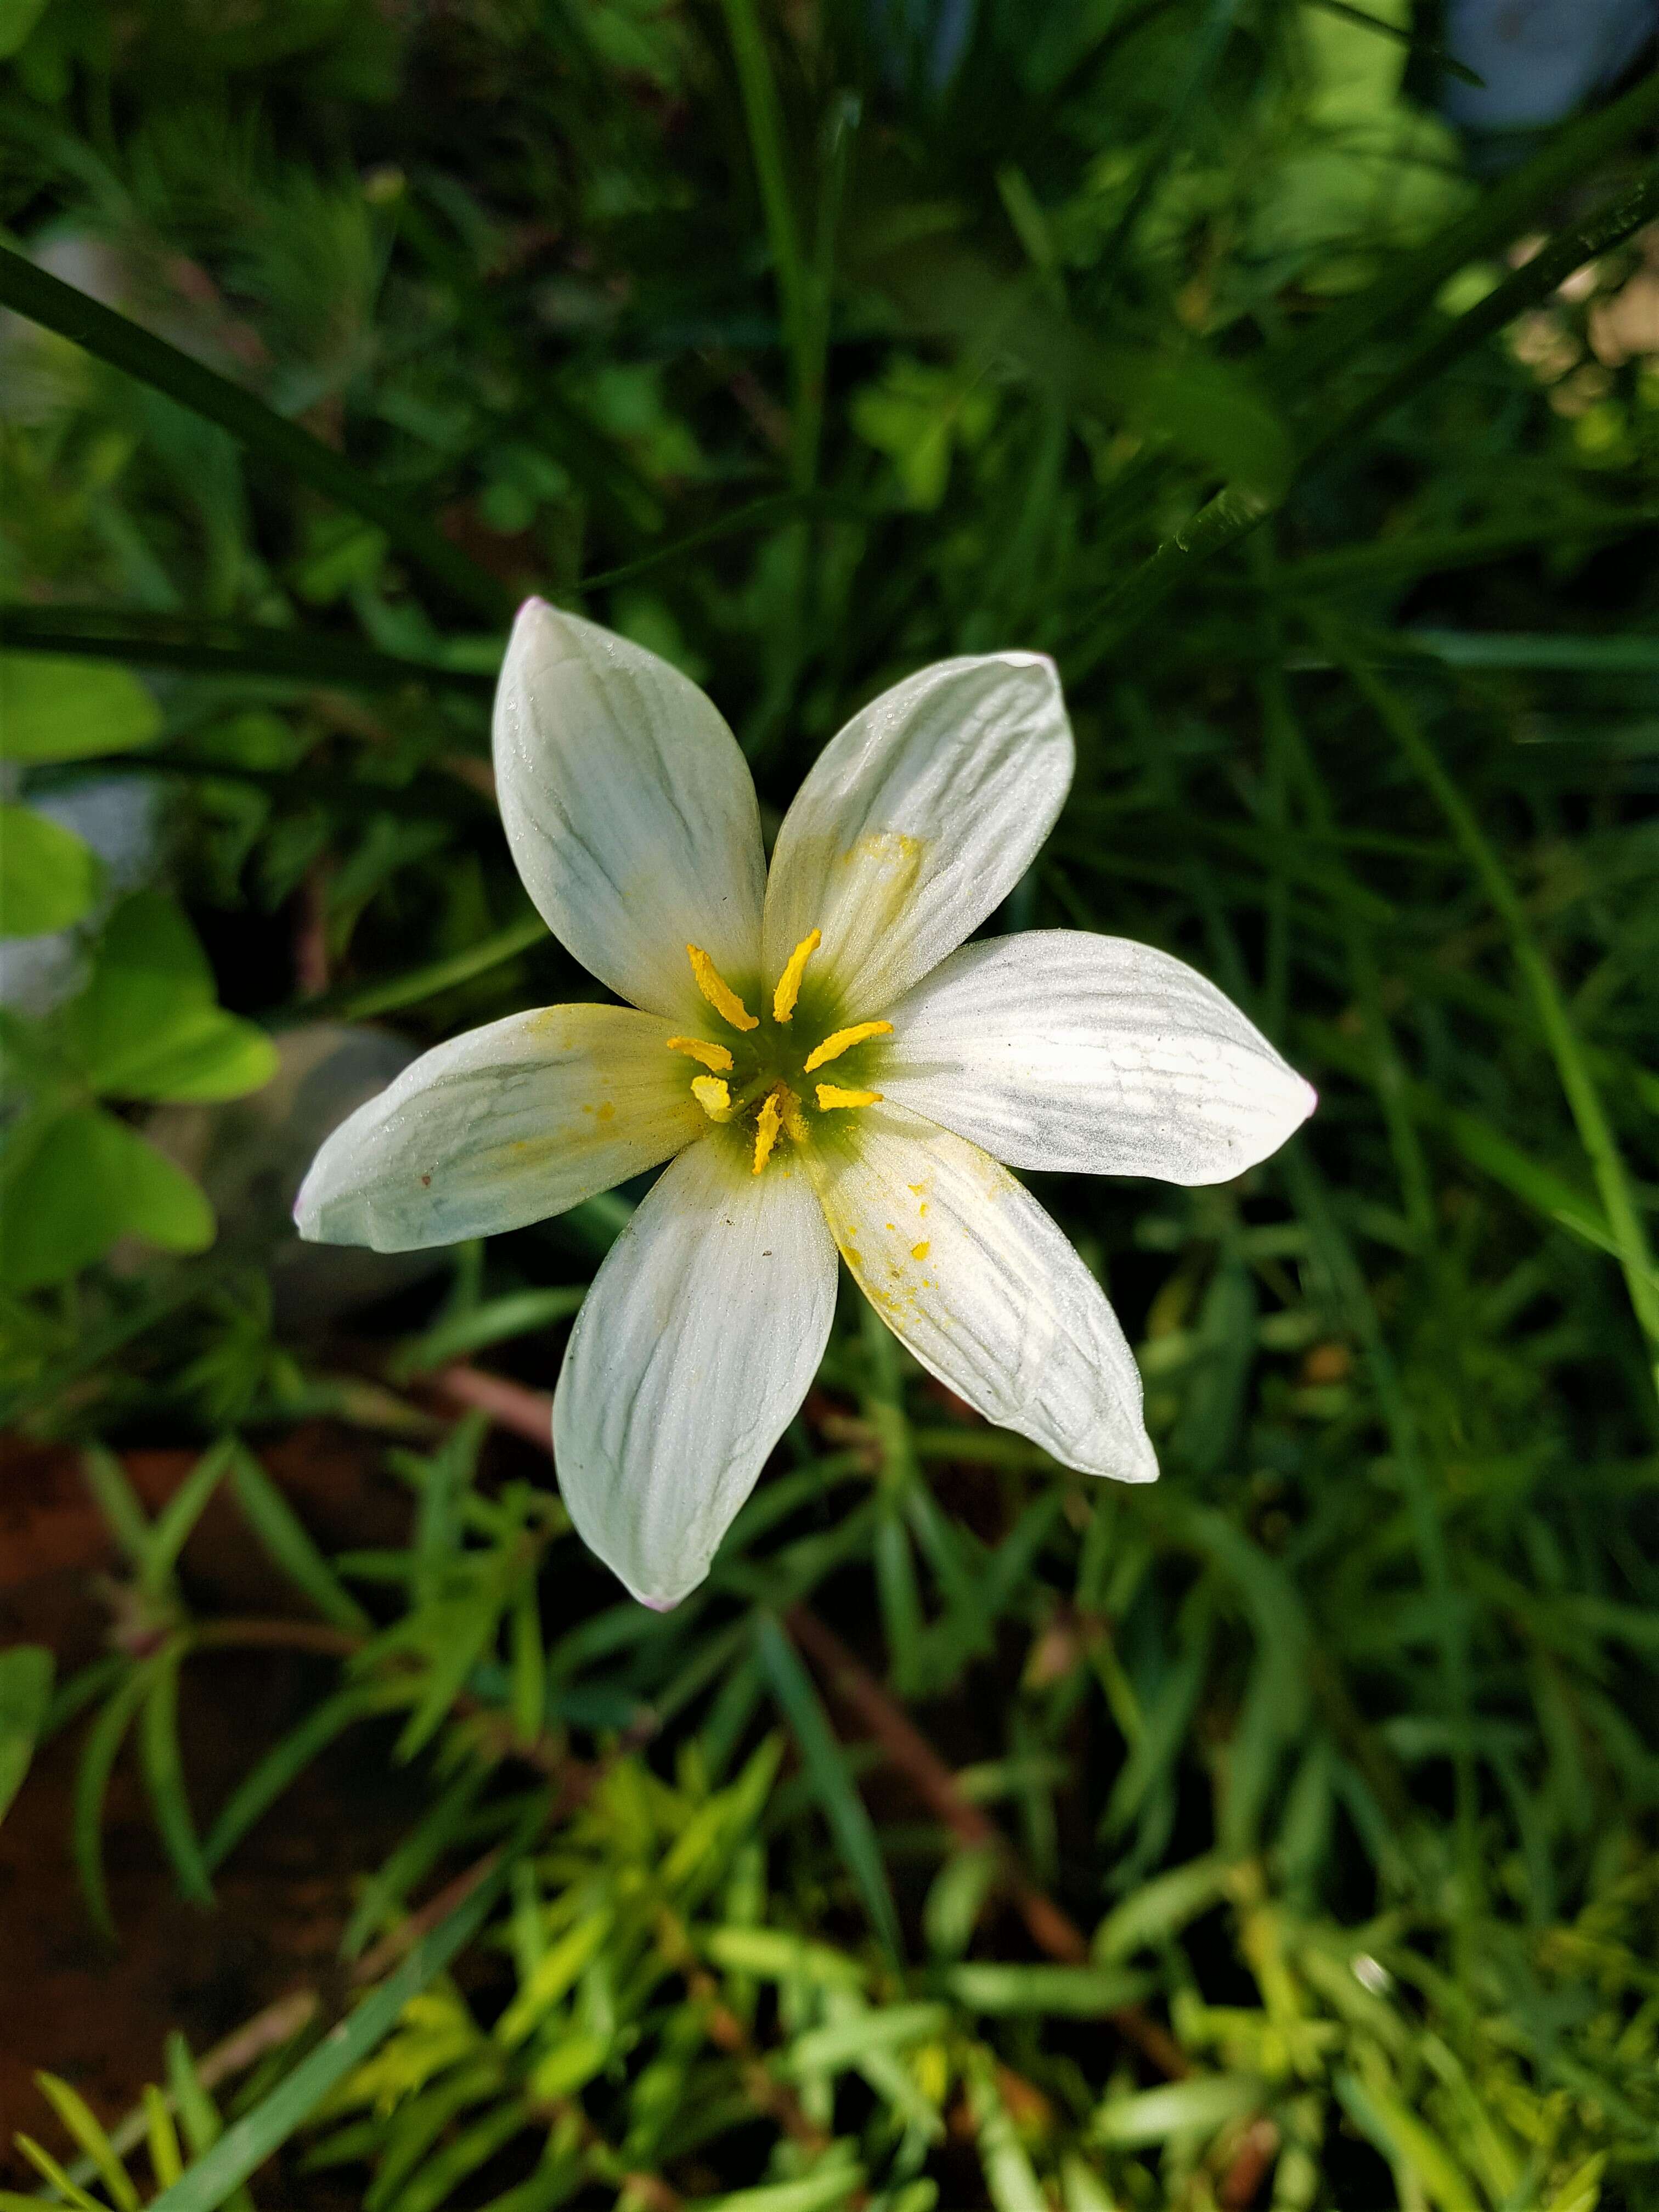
x: 292, y: 453
x: 826, y: 1770
x: 26, y: 1673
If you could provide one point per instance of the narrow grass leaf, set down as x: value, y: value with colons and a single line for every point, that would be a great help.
x: 826, y: 1769
x: 164, y: 1775
x: 26, y: 1675
x: 1406, y: 2141
x: 290, y: 1545
x: 1199, y: 2107
x: 117, y: 1501
x: 170, y: 1531
x: 166, y: 2160
x: 288, y: 1759
x: 290, y: 451
x: 104, y: 1741
x: 245, y: 2146
x: 80, y: 2122
x: 1070, y: 1992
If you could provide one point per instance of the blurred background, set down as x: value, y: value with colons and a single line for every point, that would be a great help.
x: 1281, y: 1835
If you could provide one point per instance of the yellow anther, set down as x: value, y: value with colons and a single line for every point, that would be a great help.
x: 831, y: 1094
x: 788, y: 990
x: 766, y: 1129
x: 713, y: 1094
x: 712, y: 1055
x: 794, y: 1121
x: 718, y: 991
x: 841, y: 1041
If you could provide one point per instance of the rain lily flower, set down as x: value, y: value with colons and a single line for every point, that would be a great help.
x: 825, y: 1065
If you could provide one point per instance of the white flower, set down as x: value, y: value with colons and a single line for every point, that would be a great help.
x: 821, y: 1067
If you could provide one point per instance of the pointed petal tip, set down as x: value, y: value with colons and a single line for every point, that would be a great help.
x: 1139, y: 1465
x: 658, y: 1604
x: 1306, y: 1104
x: 308, y: 1205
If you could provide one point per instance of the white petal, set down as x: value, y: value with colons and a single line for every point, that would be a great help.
x: 916, y: 820
x: 630, y: 809
x: 698, y: 1341
x: 502, y: 1126
x: 1061, y: 1049
x: 966, y: 1268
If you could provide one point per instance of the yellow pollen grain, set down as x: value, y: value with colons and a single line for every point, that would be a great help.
x: 713, y: 1094
x: 718, y: 991
x: 920, y: 1251
x: 766, y: 1129
x: 831, y: 1094
x: 712, y: 1055
x: 788, y: 990
x: 841, y: 1041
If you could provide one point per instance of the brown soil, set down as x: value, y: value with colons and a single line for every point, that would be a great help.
x: 67, y: 2003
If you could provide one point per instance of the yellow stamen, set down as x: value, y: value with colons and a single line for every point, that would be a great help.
x: 718, y: 991
x: 831, y: 1094
x: 713, y: 1094
x: 712, y: 1055
x: 841, y: 1041
x: 766, y: 1129
x: 788, y: 990
x: 794, y: 1121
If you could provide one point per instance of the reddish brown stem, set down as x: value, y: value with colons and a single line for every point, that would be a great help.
x: 1051, y: 1929
x: 528, y: 1414
x: 277, y: 1636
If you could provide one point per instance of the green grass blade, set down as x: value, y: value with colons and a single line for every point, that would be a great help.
x: 1503, y: 212
x: 117, y: 1501
x: 78, y: 2119
x: 166, y: 2160
x: 287, y: 449
x: 289, y: 1544
x: 420, y: 1851
x: 104, y: 1741
x: 1235, y: 510
x: 69, y: 2193
x: 196, y: 2110
x: 1406, y: 2141
x: 1584, y: 1097
x: 208, y: 647
x: 245, y: 2146
x: 517, y: 1313
x: 164, y: 1775
x: 1570, y: 655
x: 288, y: 1759
x: 764, y: 118
x: 826, y: 1770
x: 26, y: 1674
x: 439, y: 975
x: 170, y: 1531
x: 1615, y: 220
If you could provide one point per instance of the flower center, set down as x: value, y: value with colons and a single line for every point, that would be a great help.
x: 757, y: 1074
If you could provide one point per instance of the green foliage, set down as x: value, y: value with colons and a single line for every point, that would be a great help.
x: 53, y: 709
x: 147, y: 1026
x: 1282, y: 1833
x: 26, y: 1673
x: 51, y: 878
